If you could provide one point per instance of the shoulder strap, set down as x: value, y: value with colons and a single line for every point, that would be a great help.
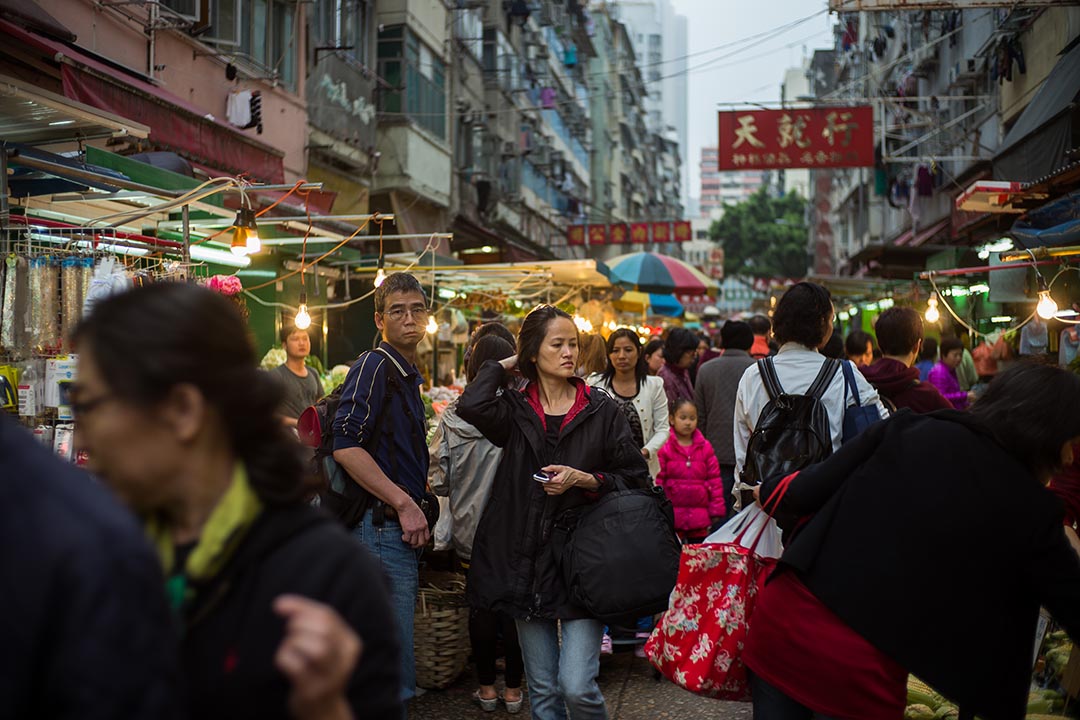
x: 769, y: 378
x: 823, y: 379
x: 849, y: 378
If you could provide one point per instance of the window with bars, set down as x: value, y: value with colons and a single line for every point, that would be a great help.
x: 263, y: 33
x: 344, y: 24
x: 417, y: 79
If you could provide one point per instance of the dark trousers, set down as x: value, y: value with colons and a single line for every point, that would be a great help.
x: 772, y: 704
x: 484, y: 629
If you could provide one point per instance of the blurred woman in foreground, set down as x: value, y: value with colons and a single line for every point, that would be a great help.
x: 268, y: 595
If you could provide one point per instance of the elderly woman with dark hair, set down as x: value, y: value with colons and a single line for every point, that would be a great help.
x: 564, y: 446
x: 955, y: 498
x: 680, y: 353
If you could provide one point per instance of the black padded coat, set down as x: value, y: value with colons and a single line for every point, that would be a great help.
x: 513, y: 568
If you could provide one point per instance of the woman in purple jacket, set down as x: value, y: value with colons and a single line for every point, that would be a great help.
x: 943, y: 374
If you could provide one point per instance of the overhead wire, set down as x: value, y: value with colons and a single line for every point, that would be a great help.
x: 575, y: 100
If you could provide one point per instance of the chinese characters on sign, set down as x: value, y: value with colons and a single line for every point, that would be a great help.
x: 822, y: 137
x: 634, y: 233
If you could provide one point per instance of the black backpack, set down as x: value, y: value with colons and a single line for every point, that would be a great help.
x: 338, y: 494
x: 792, y: 431
x: 620, y: 556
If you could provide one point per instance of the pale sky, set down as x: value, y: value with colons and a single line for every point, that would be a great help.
x: 751, y: 71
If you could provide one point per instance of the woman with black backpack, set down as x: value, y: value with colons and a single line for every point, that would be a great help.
x: 564, y: 447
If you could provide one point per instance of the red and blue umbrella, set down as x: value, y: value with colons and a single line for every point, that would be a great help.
x: 654, y: 273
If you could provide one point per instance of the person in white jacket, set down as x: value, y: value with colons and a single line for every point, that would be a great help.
x: 802, y: 324
x: 640, y: 395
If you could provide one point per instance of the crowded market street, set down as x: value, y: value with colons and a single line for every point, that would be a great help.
x: 561, y: 359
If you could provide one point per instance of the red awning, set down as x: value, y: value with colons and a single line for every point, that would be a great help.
x: 913, y: 239
x: 175, y: 124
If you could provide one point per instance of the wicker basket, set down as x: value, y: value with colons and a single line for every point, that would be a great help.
x: 441, y: 632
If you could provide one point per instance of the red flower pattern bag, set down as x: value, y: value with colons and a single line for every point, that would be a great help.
x: 699, y: 640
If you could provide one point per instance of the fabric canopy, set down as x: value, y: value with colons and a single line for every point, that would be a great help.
x: 655, y: 304
x: 1039, y: 140
x: 1054, y: 224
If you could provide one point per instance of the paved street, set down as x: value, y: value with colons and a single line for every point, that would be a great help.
x: 628, y: 685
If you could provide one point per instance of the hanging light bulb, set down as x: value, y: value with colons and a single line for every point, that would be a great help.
x: 1046, y: 308
x: 432, y: 325
x: 245, y: 233
x: 932, y: 314
x: 380, y: 277
x: 239, y: 242
x: 303, y: 318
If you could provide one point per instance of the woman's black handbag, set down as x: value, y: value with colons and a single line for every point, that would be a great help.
x: 619, y: 556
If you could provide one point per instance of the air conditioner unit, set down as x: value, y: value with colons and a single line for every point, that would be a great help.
x: 509, y: 148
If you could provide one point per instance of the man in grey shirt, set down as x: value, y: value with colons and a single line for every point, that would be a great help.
x: 302, y: 385
x: 714, y: 395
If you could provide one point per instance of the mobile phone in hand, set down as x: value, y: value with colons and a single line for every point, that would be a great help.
x: 542, y: 477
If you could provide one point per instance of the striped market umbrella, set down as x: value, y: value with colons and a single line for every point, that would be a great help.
x: 660, y: 274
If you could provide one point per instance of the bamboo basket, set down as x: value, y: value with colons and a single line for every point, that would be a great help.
x: 441, y: 630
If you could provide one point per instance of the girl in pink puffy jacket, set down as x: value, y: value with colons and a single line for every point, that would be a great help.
x: 690, y: 474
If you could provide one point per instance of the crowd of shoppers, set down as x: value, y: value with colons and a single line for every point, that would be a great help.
x: 220, y: 591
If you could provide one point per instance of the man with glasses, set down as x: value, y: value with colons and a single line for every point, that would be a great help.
x: 379, y: 441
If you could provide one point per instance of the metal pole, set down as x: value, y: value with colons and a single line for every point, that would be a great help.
x: 5, y: 211
x: 186, y: 251
x: 982, y: 269
x: 1042, y: 252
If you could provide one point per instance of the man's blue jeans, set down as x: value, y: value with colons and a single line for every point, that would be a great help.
x: 399, y: 562
x: 563, y: 679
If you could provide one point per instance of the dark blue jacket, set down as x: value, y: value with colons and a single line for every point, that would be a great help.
x: 402, y: 449
x: 85, y: 628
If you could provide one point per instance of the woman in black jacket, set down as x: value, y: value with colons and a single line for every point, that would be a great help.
x: 268, y: 595
x: 931, y: 543
x: 563, y: 447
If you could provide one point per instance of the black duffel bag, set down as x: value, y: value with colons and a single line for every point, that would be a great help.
x: 619, y: 556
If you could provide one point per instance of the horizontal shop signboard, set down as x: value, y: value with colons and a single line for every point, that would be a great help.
x: 822, y: 137
x: 629, y: 233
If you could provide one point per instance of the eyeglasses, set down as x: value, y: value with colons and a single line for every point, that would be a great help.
x: 85, y: 407
x: 418, y: 312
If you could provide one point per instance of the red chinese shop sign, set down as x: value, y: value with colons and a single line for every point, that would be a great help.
x: 824, y: 137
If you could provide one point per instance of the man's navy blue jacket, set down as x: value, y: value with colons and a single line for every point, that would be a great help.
x: 361, y: 408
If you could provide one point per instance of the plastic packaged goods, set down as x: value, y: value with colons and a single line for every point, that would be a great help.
x: 37, y: 305
x: 44, y: 305
x: 14, y: 335
x: 7, y: 315
x: 51, y: 302
x: 86, y: 274
x: 70, y: 298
